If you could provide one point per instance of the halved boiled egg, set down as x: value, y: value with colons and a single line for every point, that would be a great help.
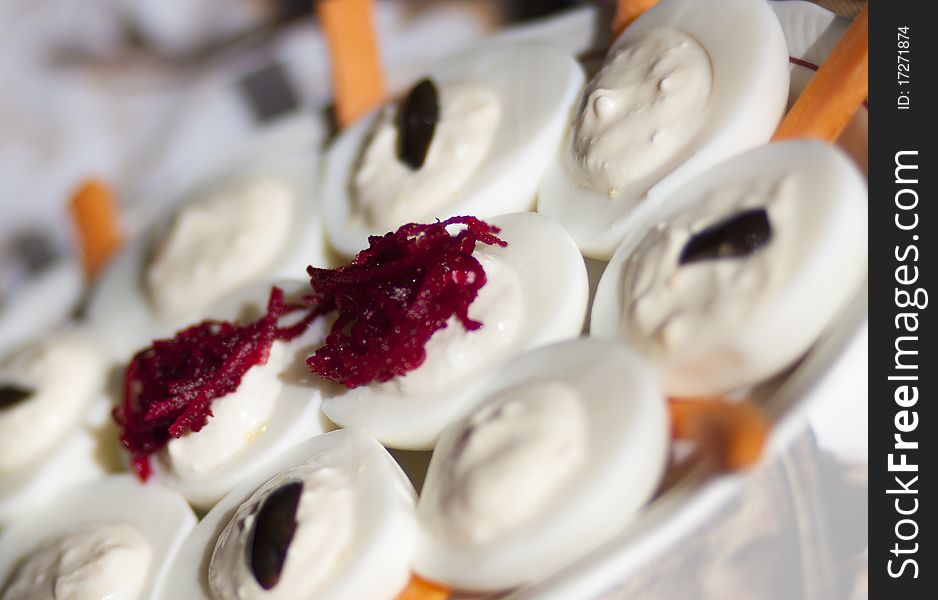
x: 258, y: 221
x: 275, y: 407
x: 569, y: 444
x: 740, y: 275
x: 111, y: 538
x: 330, y: 518
x: 473, y: 138
x: 686, y: 85
x: 48, y: 392
x: 535, y: 293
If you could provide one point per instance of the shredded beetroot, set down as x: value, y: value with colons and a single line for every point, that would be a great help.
x: 390, y: 300
x: 394, y: 296
x: 169, y: 387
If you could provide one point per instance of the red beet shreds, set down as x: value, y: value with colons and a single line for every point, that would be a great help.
x: 394, y: 296
x: 169, y: 387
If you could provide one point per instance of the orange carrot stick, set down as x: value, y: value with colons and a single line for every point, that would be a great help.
x: 353, y: 49
x: 626, y: 12
x: 836, y: 90
x: 94, y: 213
x: 419, y: 588
x: 735, y: 432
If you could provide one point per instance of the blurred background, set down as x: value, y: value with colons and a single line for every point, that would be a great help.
x: 150, y: 96
x: 144, y: 93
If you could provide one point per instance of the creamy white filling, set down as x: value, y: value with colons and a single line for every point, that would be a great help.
x: 453, y: 352
x: 106, y: 560
x: 512, y: 458
x: 218, y: 244
x: 320, y: 545
x: 674, y: 309
x: 389, y: 193
x: 643, y: 108
x: 65, y: 372
x: 238, y: 419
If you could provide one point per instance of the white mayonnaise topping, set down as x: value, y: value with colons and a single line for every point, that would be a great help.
x: 453, y: 351
x: 641, y: 110
x: 677, y: 309
x: 65, y: 372
x: 238, y: 419
x: 100, y: 561
x: 389, y: 193
x: 320, y: 544
x: 218, y: 244
x: 511, y: 459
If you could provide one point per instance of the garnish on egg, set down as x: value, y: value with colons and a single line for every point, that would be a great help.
x: 12, y: 394
x: 416, y: 122
x: 272, y: 533
x: 394, y: 296
x: 738, y: 235
x: 169, y: 387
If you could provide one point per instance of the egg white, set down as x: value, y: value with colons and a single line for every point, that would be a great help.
x: 535, y: 84
x: 825, y: 262
x: 120, y: 309
x: 295, y: 416
x: 379, y: 560
x: 553, y: 287
x: 749, y: 62
x: 627, y: 441
x: 73, y: 450
x: 160, y: 515
x: 75, y: 461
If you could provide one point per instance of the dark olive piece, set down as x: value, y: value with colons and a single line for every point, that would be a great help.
x: 739, y: 235
x: 11, y: 394
x: 416, y: 122
x: 272, y: 533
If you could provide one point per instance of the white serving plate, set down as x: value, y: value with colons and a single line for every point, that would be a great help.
x: 669, y: 550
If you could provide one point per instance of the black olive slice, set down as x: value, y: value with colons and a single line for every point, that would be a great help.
x: 416, y: 122
x: 272, y: 533
x: 739, y: 235
x: 11, y: 394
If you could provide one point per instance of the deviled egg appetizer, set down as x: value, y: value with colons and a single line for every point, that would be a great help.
x: 686, y: 85
x: 535, y: 292
x: 738, y: 278
x: 260, y: 221
x: 222, y: 398
x: 48, y: 394
x: 571, y: 440
x: 472, y: 138
x: 332, y: 518
x: 110, y: 538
